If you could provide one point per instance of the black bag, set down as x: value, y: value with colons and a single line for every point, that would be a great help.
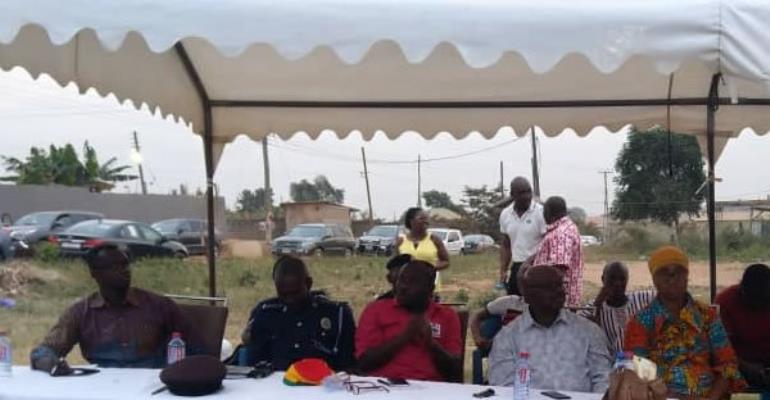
x: 194, y: 376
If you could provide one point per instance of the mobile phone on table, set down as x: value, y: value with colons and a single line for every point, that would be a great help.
x: 556, y: 395
x: 484, y: 394
x: 393, y: 382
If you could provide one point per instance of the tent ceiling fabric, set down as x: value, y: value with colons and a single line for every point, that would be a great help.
x: 388, y: 51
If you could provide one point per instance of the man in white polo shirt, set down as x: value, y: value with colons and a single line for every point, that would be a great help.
x: 523, y: 226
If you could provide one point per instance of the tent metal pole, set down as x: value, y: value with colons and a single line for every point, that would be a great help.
x: 211, y: 242
x: 208, y: 153
x: 711, y: 109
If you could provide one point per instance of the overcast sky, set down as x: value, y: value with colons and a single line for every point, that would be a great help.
x: 41, y: 113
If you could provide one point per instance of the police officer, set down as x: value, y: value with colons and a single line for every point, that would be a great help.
x: 299, y: 324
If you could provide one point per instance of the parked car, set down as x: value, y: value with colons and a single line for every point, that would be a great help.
x: 588, y: 240
x: 6, y: 246
x: 192, y: 233
x: 139, y: 239
x: 475, y: 244
x: 452, y: 238
x: 38, y: 226
x: 379, y: 240
x: 316, y: 239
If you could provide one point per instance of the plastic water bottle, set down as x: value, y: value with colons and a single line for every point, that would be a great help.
x: 176, y: 348
x: 6, y: 355
x: 523, y: 376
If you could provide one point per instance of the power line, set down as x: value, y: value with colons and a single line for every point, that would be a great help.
x: 342, y: 157
x: 452, y: 157
x: 59, y: 105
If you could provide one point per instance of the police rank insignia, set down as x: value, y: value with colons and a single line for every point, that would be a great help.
x: 326, y: 323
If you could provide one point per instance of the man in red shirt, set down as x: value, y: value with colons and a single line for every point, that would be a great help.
x: 410, y: 336
x: 745, y: 311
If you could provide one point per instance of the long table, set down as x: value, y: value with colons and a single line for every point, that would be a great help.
x: 112, y: 383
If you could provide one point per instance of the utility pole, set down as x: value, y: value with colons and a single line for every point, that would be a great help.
x: 502, y: 182
x: 368, y: 192
x: 138, y: 161
x: 419, y: 182
x: 535, y: 173
x: 268, y: 194
x: 606, y: 217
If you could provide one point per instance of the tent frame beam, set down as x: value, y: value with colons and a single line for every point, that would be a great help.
x: 208, y: 139
x: 694, y: 101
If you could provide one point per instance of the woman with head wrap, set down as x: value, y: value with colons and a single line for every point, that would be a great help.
x: 684, y: 337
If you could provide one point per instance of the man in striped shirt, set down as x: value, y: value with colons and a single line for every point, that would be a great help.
x: 613, y: 307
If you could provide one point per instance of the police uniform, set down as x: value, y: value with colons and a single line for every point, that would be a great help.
x: 322, y: 329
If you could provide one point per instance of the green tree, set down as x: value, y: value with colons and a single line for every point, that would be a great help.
x: 436, y: 199
x: 482, y: 210
x: 652, y: 185
x: 580, y: 218
x: 183, y: 190
x: 61, y: 166
x: 114, y: 173
x: 318, y: 190
x: 252, y: 201
x: 577, y: 215
x: 327, y: 192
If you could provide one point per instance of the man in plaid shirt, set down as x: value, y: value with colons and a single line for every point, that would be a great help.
x: 561, y: 248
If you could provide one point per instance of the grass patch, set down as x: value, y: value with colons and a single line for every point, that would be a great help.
x: 357, y: 280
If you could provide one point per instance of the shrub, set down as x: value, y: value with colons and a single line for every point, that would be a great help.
x: 46, y: 252
x: 635, y: 239
x: 484, y: 299
x: 248, y: 278
x: 462, y: 296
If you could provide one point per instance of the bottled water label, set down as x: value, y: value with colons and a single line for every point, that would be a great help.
x: 176, y: 349
x: 522, y: 378
x: 175, y: 353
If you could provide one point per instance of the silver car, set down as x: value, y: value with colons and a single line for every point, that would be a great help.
x: 39, y: 226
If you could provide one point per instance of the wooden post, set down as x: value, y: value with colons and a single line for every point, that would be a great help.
x: 368, y: 192
x: 268, y: 194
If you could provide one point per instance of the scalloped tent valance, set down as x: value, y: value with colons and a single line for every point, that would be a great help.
x: 368, y: 66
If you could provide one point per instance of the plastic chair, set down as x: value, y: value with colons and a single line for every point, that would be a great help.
x: 489, y: 328
x: 208, y: 320
x: 463, y: 314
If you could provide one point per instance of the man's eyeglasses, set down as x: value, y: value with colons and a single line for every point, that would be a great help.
x: 358, y: 387
x: 342, y: 380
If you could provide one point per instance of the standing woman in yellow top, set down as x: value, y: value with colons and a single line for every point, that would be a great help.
x: 421, y: 244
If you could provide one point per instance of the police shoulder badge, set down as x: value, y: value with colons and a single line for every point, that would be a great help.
x: 326, y: 323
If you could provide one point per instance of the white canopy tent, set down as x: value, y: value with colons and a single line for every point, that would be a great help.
x: 259, y: 67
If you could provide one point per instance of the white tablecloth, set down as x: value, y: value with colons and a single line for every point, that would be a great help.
x: 140, y: 383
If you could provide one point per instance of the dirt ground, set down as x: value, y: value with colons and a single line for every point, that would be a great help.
x: 727, y: 274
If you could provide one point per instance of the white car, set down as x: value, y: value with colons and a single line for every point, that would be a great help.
x: 452, y: 238
x: 587, y: 240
